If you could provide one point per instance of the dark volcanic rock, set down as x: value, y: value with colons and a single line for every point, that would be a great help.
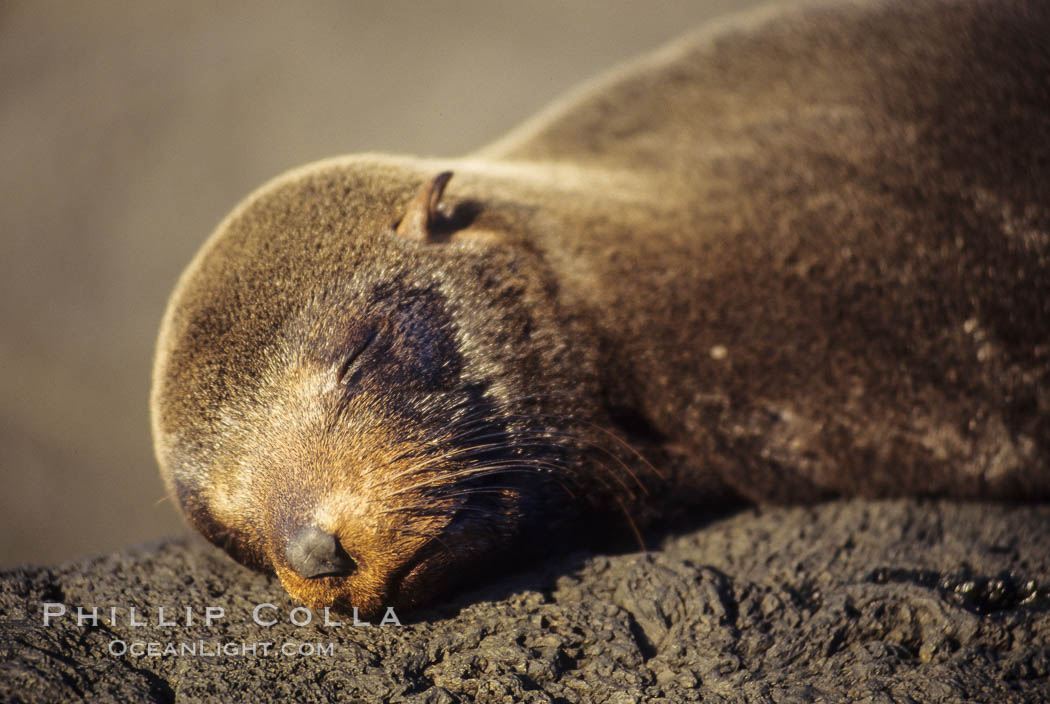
x: 848, y: 601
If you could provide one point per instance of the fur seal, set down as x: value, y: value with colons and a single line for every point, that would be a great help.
x: 799, y: 255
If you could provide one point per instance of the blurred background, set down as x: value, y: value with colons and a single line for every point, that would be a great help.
x: 129, y: 129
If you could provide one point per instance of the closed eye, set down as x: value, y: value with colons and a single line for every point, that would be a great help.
x: 355, y: 355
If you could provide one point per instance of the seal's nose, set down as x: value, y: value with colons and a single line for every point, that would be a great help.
x: 314, y: 553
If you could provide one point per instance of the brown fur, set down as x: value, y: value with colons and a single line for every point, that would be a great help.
x: 799, y: 256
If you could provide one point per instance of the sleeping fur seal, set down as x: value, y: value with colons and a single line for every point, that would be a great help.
x: 798, y: 255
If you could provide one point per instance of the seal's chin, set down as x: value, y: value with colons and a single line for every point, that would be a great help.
x: 406, y: 574
x: 416, y: 584
x: 341, y: 593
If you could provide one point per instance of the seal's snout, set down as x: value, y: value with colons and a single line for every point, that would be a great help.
x: 315, y: 553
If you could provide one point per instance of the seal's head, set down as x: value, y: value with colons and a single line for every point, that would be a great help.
x: 368, y: 393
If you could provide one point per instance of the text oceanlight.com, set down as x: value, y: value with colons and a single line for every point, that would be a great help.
x: 171, y: 620
x: 216, y: 649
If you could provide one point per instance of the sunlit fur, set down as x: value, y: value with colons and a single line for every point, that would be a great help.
x: 791, y: 257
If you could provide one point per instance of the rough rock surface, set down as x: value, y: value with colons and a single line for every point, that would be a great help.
x: 856, y: 601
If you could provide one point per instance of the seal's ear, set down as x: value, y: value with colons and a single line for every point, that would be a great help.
x: 420, y: 221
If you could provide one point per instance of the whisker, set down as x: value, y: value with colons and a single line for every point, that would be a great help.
x: 631, y: 523
x: 472, y: 473
x: 609, y: 433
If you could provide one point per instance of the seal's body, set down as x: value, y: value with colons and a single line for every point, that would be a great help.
x: 801, y: 255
